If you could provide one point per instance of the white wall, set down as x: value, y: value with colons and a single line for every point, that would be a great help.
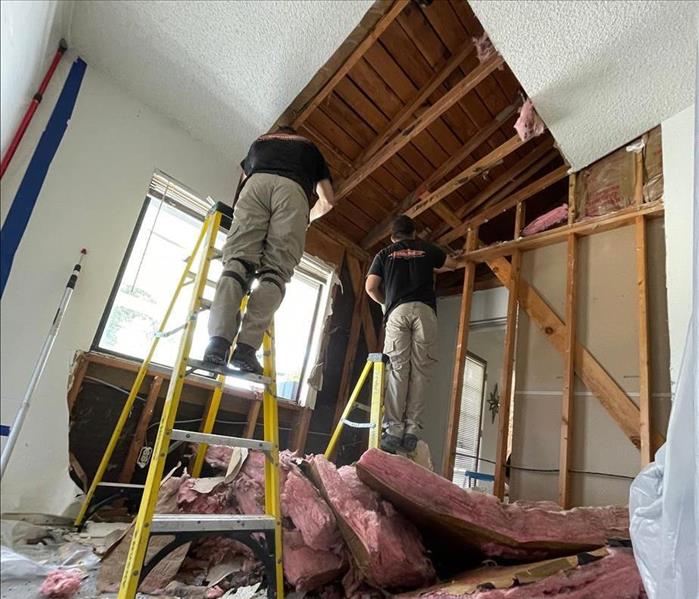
x: 487, y: 305
x: 92, y: 196
x: 30, y: 33
x: 678, y: 171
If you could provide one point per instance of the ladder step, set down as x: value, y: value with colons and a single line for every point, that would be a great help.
x: 227, y: 371
x: 209, y: 439
x: 174, y: 523
x: 362, y: 407
x: 122, y: 485
x: 216, y: 254
x: 353, y: 424
x: 205, y: 303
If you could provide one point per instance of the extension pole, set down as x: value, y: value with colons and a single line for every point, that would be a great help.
x: 29, y: 114
x: 40, y: 364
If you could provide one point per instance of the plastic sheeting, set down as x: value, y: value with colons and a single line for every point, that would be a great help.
x: 664, y: 497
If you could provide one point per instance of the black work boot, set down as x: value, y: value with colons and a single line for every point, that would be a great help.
x: 217, y: 351
x: 244, y: 359
x: 409, y: 442
x: 390, y: 443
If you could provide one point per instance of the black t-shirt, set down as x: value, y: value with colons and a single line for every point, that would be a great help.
x: 407, y: 269
x: 288, y: 155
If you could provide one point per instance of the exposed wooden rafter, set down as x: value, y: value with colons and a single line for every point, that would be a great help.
x: 352, y: 59
x: 480, y: 166
x: 419, y: 124
x: 526, y: 192
x: 383, y: 228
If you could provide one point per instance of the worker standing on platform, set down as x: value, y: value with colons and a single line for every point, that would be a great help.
x: 401, y: 279
x: 283, y: 174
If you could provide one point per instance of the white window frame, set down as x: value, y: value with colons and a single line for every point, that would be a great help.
x: 165, y: 188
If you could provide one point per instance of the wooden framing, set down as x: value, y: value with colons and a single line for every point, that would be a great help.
x: 76, y: 382
x: 620, y: 407
x: 567, y: 408
x: 360, y: 298
x: 589, y: 226
x: 384, y: 227
x: 300, y: 432
x: 480, y: 166
x: 572, y: 208
x: 507, y: 376
x: 519, y: 220
x: 418, y: 125
x: 139, y: 435
x: 459, y: 361
x: 419, y: 100
x: 526, y: 192
x: 352, y: 59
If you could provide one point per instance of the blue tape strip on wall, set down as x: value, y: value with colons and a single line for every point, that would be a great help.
x: 25, y: 199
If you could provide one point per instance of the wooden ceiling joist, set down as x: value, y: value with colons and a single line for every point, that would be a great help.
x: 485, y: 215
x: 352, y: 59
x: 418, y: 125
x: 509, y: 181
x: 486, y: 163
x: 421, y: 97
x: 383, y: 228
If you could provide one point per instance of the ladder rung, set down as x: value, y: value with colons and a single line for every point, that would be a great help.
x: 173, y: 523
x: 122, y: 485
x: 362, y: 407
x: 216, y: 254
x: 353, y: 424
x: 226, y: 371
x: 194, y: 437
x: 205, y: 304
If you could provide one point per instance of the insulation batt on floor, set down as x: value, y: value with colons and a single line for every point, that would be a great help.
x: 382, y: 527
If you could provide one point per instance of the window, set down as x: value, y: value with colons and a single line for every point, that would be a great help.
x: 469, y: 434
x: 165, y: 234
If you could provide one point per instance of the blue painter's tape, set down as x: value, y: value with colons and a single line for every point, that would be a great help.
x: 4, y: 430
x: 22, y: 206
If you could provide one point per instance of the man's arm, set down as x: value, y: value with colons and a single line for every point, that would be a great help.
x: 326, y: 199
x: 450, y: 263
x: 374, y: 289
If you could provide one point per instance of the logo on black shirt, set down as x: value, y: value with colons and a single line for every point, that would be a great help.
x: 407, y: 254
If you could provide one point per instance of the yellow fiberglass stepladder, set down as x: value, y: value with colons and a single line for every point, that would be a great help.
x: 187, y: 527
x: 375, y: 363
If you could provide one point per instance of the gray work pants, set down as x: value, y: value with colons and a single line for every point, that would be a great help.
x: 410, y: 343
x: 266, y: 240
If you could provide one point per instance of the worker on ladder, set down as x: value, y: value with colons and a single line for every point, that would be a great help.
x: 401, y: 279
x: 283, y: 173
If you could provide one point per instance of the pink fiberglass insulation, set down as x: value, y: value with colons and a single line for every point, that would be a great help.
x: 218, y: 456
x: 529, y: 124
x: 220, y: 500
x: 548, y: 220
x: 613, y: 577
x: 484, y: 47
x: 302, y: 504
x: 62, y: 584
x: 481, y: 524
x: 386, y: 548
x: 306, y: 568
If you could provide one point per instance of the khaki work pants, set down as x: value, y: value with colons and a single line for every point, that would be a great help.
x: 265, y: 241
x: 410, y: 343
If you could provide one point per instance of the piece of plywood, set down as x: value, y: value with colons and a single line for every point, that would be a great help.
x: 566, y: 445
x: 507, y: 376
x: 459, y: 362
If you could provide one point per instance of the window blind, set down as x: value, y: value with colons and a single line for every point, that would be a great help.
x: 468, y: 436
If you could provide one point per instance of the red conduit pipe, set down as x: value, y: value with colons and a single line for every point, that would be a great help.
x: 36, y: 100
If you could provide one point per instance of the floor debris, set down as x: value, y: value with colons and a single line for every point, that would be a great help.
x: 62, y: 584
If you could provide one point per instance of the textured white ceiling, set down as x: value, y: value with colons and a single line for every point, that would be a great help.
x: 599, y: 73
x: 224, y: 70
